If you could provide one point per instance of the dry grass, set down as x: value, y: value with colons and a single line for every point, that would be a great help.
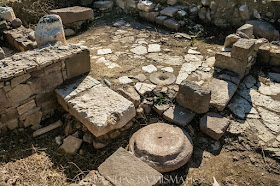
x: 33, y: 170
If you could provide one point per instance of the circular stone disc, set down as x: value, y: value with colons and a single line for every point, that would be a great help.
x: 163, y: 146
x: 162, y: 78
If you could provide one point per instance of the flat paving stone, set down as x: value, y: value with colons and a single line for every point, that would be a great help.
x: 163, y: 146
x: 124, y: 169
x: 98, y: 107
x: 178, y: 115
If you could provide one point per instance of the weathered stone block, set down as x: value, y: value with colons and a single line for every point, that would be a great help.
x: 264, y: 53
x: 214, y: 125
x: 178, y: 115
x: 7, y: 13
x: 26, y: 107
x: 131, y: 95
x: 171, y: 24
x: 16, y: 81
x: 169, y: 11
x: 221, y: 93
x: 146, y: 5
x: 12, y: 124
x: 193, y: 97
x: 124, y: 169
x: 225, y: 60
x: 247, y: 29
x: 275, y: 56
x: 9, y: 114
x: 70, y: 15
x: 70, y: 145
x: 159, y: 20
x: 46, y: 83
x: 149, y: 16
x: 19, y: 93
x: 3, y: 99
x: 78, y: 64
x: 243, y: 49
x: 33, y: 119
x: 98, y: 107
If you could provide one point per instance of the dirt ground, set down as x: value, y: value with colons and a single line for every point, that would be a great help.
x: 236, y: 159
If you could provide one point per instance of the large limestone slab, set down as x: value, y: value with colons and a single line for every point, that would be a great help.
x: 124, y: 169
x: 98, y: 107
x: 74, y: 14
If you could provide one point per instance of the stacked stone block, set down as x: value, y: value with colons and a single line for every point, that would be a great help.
x: 28, y: 80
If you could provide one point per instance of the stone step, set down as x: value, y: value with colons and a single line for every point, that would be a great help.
x: 98, y: 107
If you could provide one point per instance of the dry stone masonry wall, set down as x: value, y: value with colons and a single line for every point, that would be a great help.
x: 28, y: 80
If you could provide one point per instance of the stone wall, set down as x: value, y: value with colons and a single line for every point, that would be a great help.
x: 28, y: 80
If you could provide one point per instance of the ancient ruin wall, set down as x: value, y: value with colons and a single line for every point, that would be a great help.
x: 28, y: 80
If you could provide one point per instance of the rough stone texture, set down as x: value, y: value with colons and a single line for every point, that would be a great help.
x: 230, y: 40
x: 19, y: 39
x: 264, y: 29
x: 243, y: 49
x: 145, y: 5
x: 131, y: 95
x: 149, y: 16
x: 74, y: 14
x: 144, y: 88
x: 193, y: 97
x: 178, y: 115
x: 7, y: 13
x: 247, y: 29
x: 214, y: 125
x: 30, y: 80
x: 70, y: 145
x: 16, y: 23
x: 169, y: 11
x: 224, y: 60
x: 187, y: 69
x: 98, y: 107
x: 221, y: 93
x: 124, y: 169
x: 171, y: 24
x: 49, y: 29
x: 163, y: 146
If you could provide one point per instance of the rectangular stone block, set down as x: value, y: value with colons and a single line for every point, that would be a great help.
x: 124, y: 169
x: 224, y: 60
x: 193, y: 97
x: 10, y: 113
x: 19, y: 93
x: 178, y: 115
x: 98, y: 107
x: 275, y: 56
x: 3, y: 99
x: 221, y: 93
x: 171, y: 24
x: 74, y: 14
x: 16, y: 81
x: 243, y: 49
x: 264, y: 54
x: 78, y: 64
x: 26, y: 107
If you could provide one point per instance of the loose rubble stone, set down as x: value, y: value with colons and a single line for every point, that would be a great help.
x: 191, y: 51
x: 125, y: 80
x: 172, y: 2
x: 270, y: 119
x: 154, y: 48
x: 163, y: 146
x: 124, y: 169
x: 159, y: 20
x: 186, y: 70
x: 274, y: 77
x: 178, y: 115
x: 69, y: 32
x: 74, y: 14
x: 145, y: 5
x: 103, y: 5
x: 140, y: 77
x: 139, y: 50
x: 171, y: 24
x: 149, y: 68
x: 214, y: 125
x: 162, y: 78
x: 144, y: 88
x: 98, y: 107
x: 264, y: 29
x: 221, y: 93
x: 131, y: 95
x: 70, y: 145
x: 33, y: 119
x: 49, y: 29
x: 230, y: 40
x: 167, y: 69
x: 149, y: 16
x: 193, y: 97
x: 247, y: 29
x: 7, y: 13
x: 16, y: 23
x: 244, y: 12
x: 169, y: 11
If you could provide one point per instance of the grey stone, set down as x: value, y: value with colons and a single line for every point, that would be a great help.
x: 98, y: 107
x: 145, y: 5
x: 193, y: 97
x: 243, y: 49
x: 131, y: 95
x: 171, y: 24
x: 178, y: 115
x: 159, y: 20
x: 247, y: 29
x: 274, y: 77
x: 264, y: 29
x: 139, y: 50
x: 69, y: 32
x: 169, y: 11
x: 230, y: 40
x: 163, y: 146
x: 124, y: 169
x: 270, y: 119
x: 70, y: 145
x: 103, y: 5
x: 144, y: 88
x: 149, y: 68
x: 244, y: 12
x: 221, y: 93
x: 214, y: 125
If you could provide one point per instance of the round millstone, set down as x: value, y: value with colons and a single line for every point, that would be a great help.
x: 49, y: 29
x: 163, y: 146
x: 162, y: 78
